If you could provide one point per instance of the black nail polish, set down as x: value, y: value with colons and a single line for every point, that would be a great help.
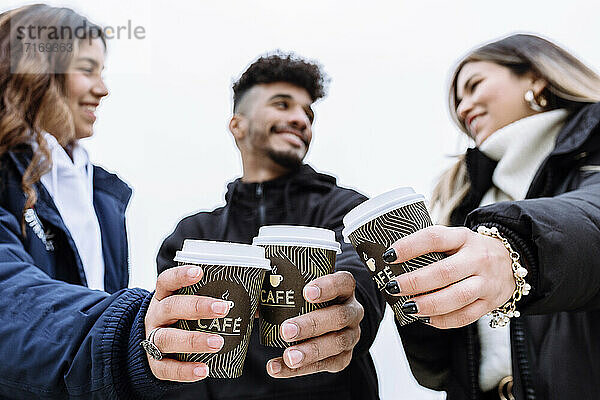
x: 425, y: 320
x: 409, y: 307
x: 389, y: 256
x: 392, y: 287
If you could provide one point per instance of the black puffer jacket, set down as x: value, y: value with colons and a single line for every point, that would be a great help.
x: 304, y: 197
x: 556, y: 343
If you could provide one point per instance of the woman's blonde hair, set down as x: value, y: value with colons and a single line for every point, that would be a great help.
x: 33, y: 96
x: 570, y: 85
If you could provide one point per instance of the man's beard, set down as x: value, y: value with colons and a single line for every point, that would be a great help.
x: 288, y: 160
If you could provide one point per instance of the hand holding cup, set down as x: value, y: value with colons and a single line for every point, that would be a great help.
x: 298, y: 255
x: 373, y: 226
x: 328, y: 334
x: 474, y: 279
x: 165, y: 309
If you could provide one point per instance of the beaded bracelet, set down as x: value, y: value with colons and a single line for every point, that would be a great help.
x: 501, y: 315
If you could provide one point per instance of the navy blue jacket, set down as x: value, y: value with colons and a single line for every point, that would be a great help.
x: 59, y: 339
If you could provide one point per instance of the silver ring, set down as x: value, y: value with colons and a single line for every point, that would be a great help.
x: 150, y: 347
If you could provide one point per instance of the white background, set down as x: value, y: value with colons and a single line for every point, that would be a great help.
x: 384, y: 123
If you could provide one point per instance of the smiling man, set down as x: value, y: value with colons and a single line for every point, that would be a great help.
x: 272, y: 127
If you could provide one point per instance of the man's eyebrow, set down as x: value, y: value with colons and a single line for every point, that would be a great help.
x: 307, y: 109
x: 280, y: 95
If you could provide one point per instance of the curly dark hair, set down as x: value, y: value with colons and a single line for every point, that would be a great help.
x: 280, y: 67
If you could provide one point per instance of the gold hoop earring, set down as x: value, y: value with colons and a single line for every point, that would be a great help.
x: 533, y: 102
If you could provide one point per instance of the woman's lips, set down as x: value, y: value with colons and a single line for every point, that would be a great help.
x: 89, y: 111
x: 474, y: 122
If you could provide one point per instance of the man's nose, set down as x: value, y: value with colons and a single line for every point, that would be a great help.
x: 298, y: 119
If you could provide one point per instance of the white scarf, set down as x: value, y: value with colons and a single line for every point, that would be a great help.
x: 70, y: 183
x: 520, y: 148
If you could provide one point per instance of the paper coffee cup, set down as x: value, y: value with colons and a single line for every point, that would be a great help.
x: 298, y: 254
x: 373, y: 226
x: 232, y: 272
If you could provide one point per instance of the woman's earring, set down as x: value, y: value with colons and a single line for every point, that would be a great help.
x: 533, y: 103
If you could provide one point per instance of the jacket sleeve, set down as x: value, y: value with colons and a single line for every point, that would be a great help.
x: 61, y: 340
x: 559, y: 240
x: 366, y: 291
x: 560, y: 237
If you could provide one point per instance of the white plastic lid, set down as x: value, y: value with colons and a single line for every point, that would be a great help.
x: 292, y: 235
x: 377, y: 206
x: 222, y: 253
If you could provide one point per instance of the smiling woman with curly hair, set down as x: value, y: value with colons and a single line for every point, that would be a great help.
x: 69, y: 327
x: 34, y: 84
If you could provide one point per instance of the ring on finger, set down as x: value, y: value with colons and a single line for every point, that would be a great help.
x: 150, y: 347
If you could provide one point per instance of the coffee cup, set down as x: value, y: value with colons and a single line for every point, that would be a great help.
x: 298, y: 255
x: 373, y: 226
x: 232, y: 272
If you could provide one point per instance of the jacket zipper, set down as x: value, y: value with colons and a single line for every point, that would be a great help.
x: 518, y: 335
x: 519, y: 344
x: 518, y: 339
x: 472, y: 361
x: 261, y: 204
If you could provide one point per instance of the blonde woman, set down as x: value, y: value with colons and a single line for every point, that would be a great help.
x: 534, y: 175
x: 69, y: 327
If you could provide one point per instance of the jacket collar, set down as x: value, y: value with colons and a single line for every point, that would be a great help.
x: 45, y: 208
x: 112, y: 185
x: 480, y: 169
x: 520, y: 149
x: 577, y: 130
x: 44, y: 205
x: 103, y: 180
x: 237, y: 190
x: 303, y: 175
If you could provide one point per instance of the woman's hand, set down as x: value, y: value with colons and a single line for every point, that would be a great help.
x: 474, y: 279
x: 165, y: 309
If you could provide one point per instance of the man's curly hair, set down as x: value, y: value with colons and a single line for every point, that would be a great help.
x: 281, y: 67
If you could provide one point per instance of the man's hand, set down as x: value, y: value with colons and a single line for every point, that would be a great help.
x: 328, y: 335
x: 165, y: 309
